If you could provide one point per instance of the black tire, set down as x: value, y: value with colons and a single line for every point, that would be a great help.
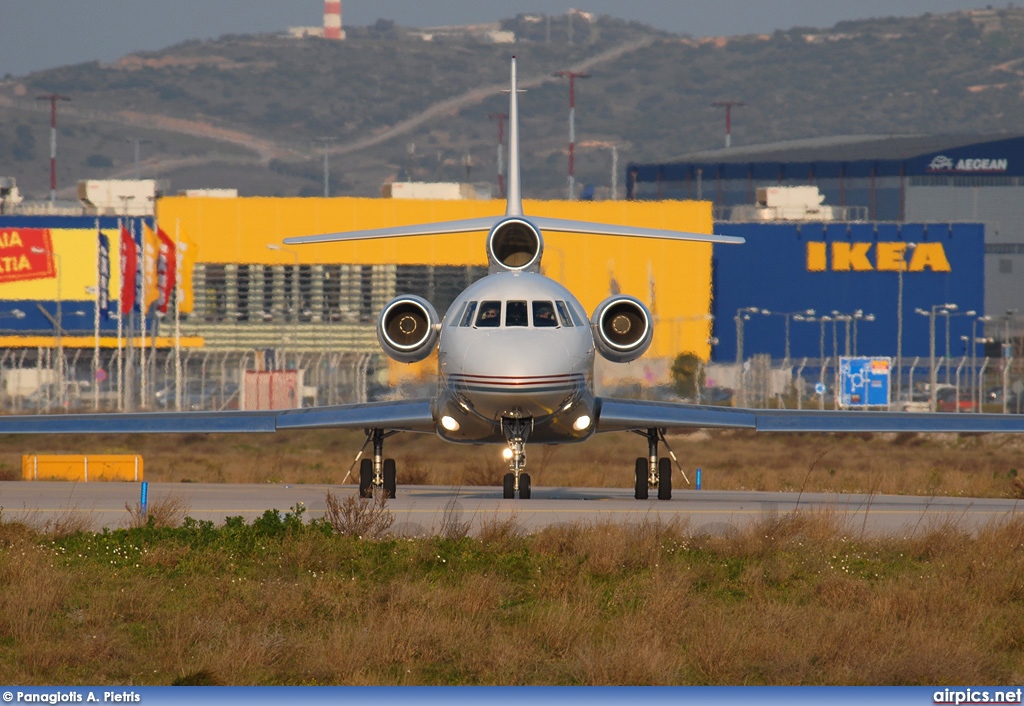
x: 508, y: 487
x: 390, y: 477
x: 524, y: 486
x: 664, y: 479
x: 366, y: 478
x: 640, y: 489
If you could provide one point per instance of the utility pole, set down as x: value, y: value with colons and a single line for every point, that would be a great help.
x: 53, y: 98
x: 326, y: 142
x: 136, y: 142
x: 728, y: 105
x: 501, y: 118
x: 572, y: 76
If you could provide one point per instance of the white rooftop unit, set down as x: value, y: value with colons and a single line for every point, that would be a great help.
x: 788, y: 203
x: 435, y: 191
x: 119, y: 197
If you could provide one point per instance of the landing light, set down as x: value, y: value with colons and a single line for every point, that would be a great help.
x: 581, y: 423
x: 506, y: 454
x: 449, y: 423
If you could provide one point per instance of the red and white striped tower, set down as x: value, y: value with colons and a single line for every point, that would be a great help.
x: 332, y: 19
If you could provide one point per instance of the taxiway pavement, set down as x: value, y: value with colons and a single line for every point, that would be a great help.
x: 422, y: 510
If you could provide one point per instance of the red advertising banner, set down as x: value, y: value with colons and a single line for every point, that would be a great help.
x: 26, y: 253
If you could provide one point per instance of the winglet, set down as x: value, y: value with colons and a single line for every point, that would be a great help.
x: 514, y: 205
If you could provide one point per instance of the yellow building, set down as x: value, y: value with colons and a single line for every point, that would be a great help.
x: 249, y: 291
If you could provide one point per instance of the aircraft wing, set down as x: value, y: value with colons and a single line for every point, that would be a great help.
x: 621, y: 415
x: 563, y: 225
x: 411, y: 415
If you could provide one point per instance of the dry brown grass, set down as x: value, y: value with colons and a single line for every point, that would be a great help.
x: 167, y: 511
x: 359, y: 517
x: 913, y: 464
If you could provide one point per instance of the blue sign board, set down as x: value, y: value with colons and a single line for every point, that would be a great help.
x: 864, y: 382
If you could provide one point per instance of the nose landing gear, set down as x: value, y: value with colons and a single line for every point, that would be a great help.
x: 516, y: 431
x: 377, y: 473
x: 653, y: 471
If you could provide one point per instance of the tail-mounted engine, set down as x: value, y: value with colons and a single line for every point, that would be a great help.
x: 408, y: 329
x: 622, y: 328
x: 514, y: 245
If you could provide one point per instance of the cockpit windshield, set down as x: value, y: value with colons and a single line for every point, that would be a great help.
x: 519, y: 313
x: 515, y: 313
x: 544, y: 315
x: 490, y: 315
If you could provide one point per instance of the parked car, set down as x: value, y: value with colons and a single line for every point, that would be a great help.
x: 946, y: 400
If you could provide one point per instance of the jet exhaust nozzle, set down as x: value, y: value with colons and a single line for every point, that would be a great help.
x: 622, y: 328
x: 407, y: 329
x: 515, y: 245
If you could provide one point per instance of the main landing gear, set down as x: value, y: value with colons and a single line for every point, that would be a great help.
x: 516, y: 431
x: 377, y: 473
x: 653, y: 471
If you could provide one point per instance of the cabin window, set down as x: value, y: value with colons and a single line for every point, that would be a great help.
x: 544, y: 315
x: 563, y: 314
x: 467, y: 318
x: 490, y: 315
x: 515, y: 314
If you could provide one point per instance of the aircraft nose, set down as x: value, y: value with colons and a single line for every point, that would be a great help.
x: 500, y: 354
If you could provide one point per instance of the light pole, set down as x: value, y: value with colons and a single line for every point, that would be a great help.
x: 787, y: 315
x: 291, y: 300
x: 858, y: 316
x: 975, y: 388
x: 932, y: 377
x: 899, y: 322
x: 742, y: 314
x: 948, y: 315
x: 59, y: 322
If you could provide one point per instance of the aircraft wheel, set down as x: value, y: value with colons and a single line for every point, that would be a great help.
x: 509, y: 487
x: 524, y: 486
x: 641, y: 479
x: 366, y: 478
x: 664, y: 479
x: 390, y: 477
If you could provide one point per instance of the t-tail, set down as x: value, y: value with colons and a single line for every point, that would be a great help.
x: 514, y: 240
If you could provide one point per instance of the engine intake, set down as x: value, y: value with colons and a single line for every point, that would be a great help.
x: 622, y: 328
x: 407, y: 329
x: 514, y: 245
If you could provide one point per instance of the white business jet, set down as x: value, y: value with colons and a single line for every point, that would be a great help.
x: 515, y: 356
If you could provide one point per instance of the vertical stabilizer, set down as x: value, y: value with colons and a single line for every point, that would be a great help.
x: 514, y: 206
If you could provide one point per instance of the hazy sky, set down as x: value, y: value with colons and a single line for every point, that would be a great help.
x: 41, y: 34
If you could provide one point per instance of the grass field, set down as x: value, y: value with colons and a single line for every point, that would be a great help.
x: 793, y: 600
x: 797, y: 599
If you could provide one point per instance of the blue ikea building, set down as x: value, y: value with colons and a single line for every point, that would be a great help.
x: 853, y: 269
x: 964, y: 194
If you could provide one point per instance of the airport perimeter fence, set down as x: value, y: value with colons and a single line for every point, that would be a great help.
x: 964, y: 384
x: 37, y: 381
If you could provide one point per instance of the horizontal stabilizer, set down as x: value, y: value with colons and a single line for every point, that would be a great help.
x: 470, y: 225
x: 569, y: 226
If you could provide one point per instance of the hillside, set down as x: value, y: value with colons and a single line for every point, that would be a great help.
x: 247, y: 111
